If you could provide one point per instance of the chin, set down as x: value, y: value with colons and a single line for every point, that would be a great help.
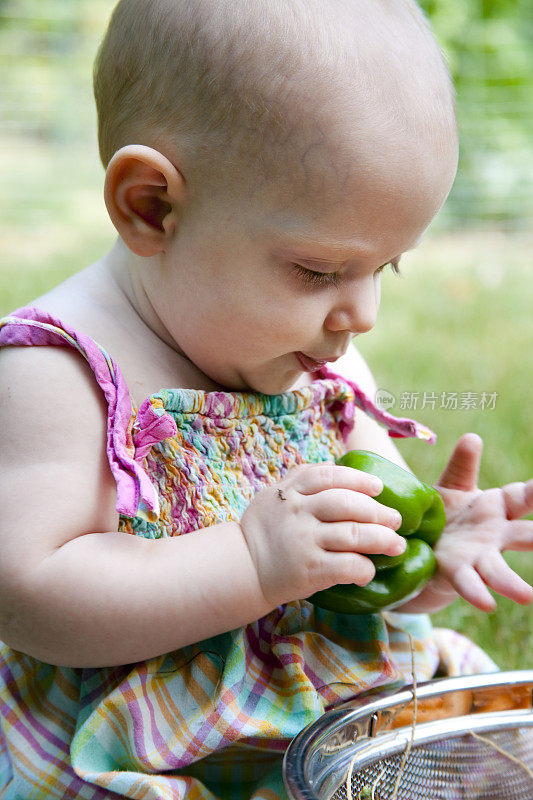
x: 282, y: 384
x: 264, y: 381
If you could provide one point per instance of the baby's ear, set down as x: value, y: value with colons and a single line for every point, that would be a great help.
x: 144, y: 193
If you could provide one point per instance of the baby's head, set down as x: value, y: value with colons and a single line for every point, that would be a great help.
x: 258, y: 91
x: 245, y: 138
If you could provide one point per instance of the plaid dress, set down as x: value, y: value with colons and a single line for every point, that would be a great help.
x: 211, y: 720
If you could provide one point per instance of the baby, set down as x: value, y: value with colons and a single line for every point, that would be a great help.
x: 265, y: 161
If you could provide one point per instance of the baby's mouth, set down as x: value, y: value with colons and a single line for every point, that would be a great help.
x: 312, y: 364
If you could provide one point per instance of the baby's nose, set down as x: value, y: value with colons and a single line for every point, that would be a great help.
x: 356, y: 312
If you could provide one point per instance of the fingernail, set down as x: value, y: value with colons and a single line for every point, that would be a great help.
x: 377, y: 485
x: 396, y: 519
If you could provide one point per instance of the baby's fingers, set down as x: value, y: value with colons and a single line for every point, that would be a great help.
x: 492, y: 570
x: 497, y: 574
x: 349, y: 568
x: 337, y: 505
x: 518, y: 499
x: 519, y: 535
x: 466, y: 582
x: 359, y: 537
x: 312, y: 478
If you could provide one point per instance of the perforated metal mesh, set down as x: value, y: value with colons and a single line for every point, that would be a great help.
x: 461, y: 768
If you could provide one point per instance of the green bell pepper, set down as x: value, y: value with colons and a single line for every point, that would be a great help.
x: 398, y: 578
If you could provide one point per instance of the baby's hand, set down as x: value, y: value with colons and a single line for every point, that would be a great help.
x: 480, y: 525
x: 309, y: 531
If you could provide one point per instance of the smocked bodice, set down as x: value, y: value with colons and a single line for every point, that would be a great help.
x: 224, y: 447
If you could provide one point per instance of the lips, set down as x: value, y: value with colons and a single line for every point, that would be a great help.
x: 312, y: 364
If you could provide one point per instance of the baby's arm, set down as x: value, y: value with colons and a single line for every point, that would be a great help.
x: 74, y: 591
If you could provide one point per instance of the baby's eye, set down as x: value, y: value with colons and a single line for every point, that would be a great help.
x: 316, y: 278
x: 392, y: 264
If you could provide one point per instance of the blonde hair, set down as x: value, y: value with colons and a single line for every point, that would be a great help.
x: 221, y: 78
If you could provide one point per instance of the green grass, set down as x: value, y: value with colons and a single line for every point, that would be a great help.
x: 459, y: 321
x: 52, y: 220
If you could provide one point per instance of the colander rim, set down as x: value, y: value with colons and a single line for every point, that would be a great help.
x: 365, y: 708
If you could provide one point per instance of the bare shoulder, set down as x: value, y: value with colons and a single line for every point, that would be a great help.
x: 46, y: 389
x: 91, y: 303
x: 55, y: 482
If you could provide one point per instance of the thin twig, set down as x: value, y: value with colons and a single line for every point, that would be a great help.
x: 372, y: 797
x: 411, y: 740
x: 407, y: 750
x: 502, y: 751
x: 349, y: 780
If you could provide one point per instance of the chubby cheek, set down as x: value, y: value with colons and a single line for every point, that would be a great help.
x: 279, y: 320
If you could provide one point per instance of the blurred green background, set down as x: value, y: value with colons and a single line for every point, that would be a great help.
x: 457, y: 324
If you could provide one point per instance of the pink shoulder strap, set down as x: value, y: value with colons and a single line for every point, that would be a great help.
x: 135, y: 494
x: 398, y: 427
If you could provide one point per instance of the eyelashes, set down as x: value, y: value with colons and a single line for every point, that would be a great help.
x: 314, y: 278
x: 393, y: 265
x: 322, y: 279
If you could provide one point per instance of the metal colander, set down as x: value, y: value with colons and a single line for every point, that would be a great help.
x: 462, y: 725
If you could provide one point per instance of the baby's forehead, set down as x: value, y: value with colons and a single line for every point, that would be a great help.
x: 339, y: 147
